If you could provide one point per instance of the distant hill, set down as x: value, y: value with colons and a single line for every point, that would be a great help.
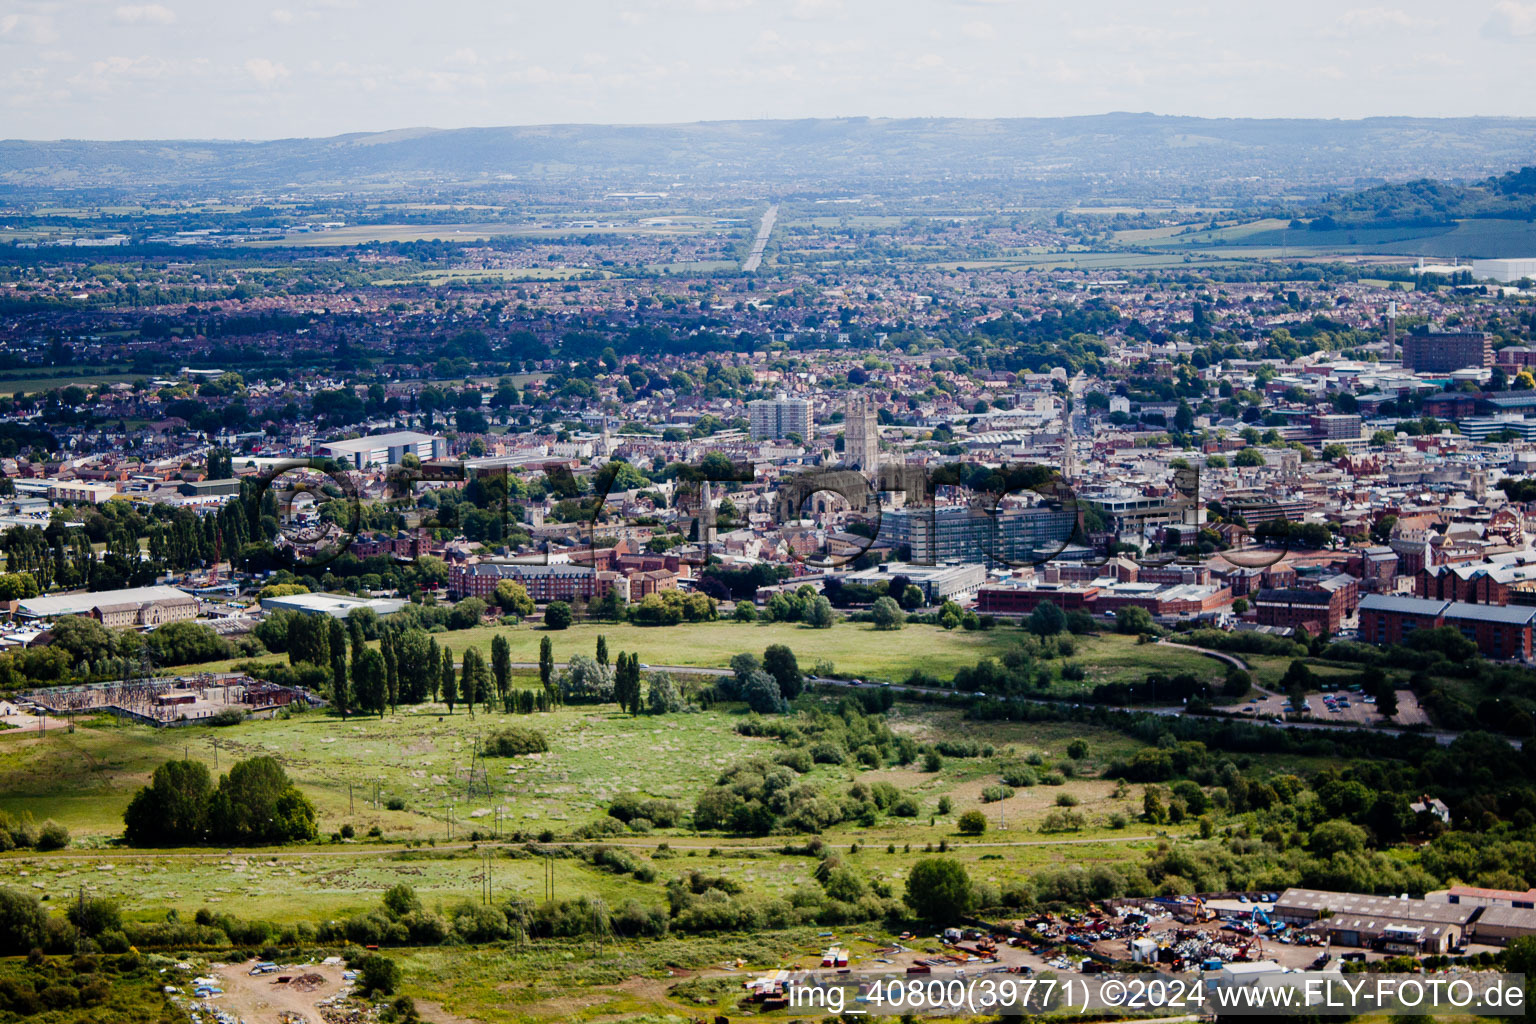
x: 1426, y: 203
x: 1107, y: 157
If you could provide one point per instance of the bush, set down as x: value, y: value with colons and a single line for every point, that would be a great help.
x: 992, y: 794
x: 632, y: 807
x: 1020, y: 776
x: 972, y: 823
x: 53, y: 836
x: 1062, y: 820
x: 798, y: 760
x: 515, y: 740
x: 377, y: 975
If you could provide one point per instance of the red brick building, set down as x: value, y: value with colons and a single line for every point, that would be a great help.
x: 1500, y: 632
x: 1005, y: 598
x: 1291, y: 607
x: 544, y: 583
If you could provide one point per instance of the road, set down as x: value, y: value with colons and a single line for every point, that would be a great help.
x: 755, y: 257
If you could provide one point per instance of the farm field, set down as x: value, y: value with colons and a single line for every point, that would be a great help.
x: 1479, y: 237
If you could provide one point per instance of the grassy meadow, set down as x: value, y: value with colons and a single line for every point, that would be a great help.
x: 853, y: 649
x: 422, y: 757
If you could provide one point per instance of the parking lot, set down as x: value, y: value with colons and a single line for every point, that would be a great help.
x: 1339, y: 706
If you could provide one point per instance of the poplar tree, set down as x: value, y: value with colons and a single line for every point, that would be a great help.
x: 501, y: 666
x: 445, y: 674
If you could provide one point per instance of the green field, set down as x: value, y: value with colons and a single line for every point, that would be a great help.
x: 852, y: 649
x: 454, y: 809
x: 31, y: 385
x: 1480, y: 237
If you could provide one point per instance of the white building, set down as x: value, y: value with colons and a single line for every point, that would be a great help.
x: 1505, y: 271
x: 773, y: 418
x: 384, y: 449
x: 334, y: 605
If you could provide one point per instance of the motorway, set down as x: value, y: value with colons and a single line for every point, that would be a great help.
x: 755, y: 257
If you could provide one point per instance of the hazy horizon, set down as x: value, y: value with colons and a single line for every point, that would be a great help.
x: 95, y: 69
x: 407, y: 130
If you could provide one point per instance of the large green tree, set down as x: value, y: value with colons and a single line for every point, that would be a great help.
x: 939, y: 889
x: 779, y: 662
x: 172, y: 809
x: 369, y: 685
x: 256, y: 804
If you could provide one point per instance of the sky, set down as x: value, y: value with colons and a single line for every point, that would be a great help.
x: 256, y: 69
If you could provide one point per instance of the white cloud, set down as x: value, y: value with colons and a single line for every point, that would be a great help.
x: 265, y: 71
x: 145, y: 14
x: 1510, y: 19
x: 976, y: 29
x: 807, y: 10
x: 28, y: 28
x: 282, y: 16
x: 1376, y: 19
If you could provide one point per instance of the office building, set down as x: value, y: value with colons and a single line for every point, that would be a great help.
x: 1014, y: 537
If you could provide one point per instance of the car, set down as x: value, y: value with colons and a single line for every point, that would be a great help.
x: 1336, y: 710
x: 1242, y: 899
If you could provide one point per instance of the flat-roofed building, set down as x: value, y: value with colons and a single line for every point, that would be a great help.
x: 1021, y: 597
x: 384, y: 449
x: 936, y: 536
x: 774, y: 418
x: 335, y: 605
x: 1353, y: 919
x: 937, y: 582
x: 1446, y: 351
x: 81, y: 491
